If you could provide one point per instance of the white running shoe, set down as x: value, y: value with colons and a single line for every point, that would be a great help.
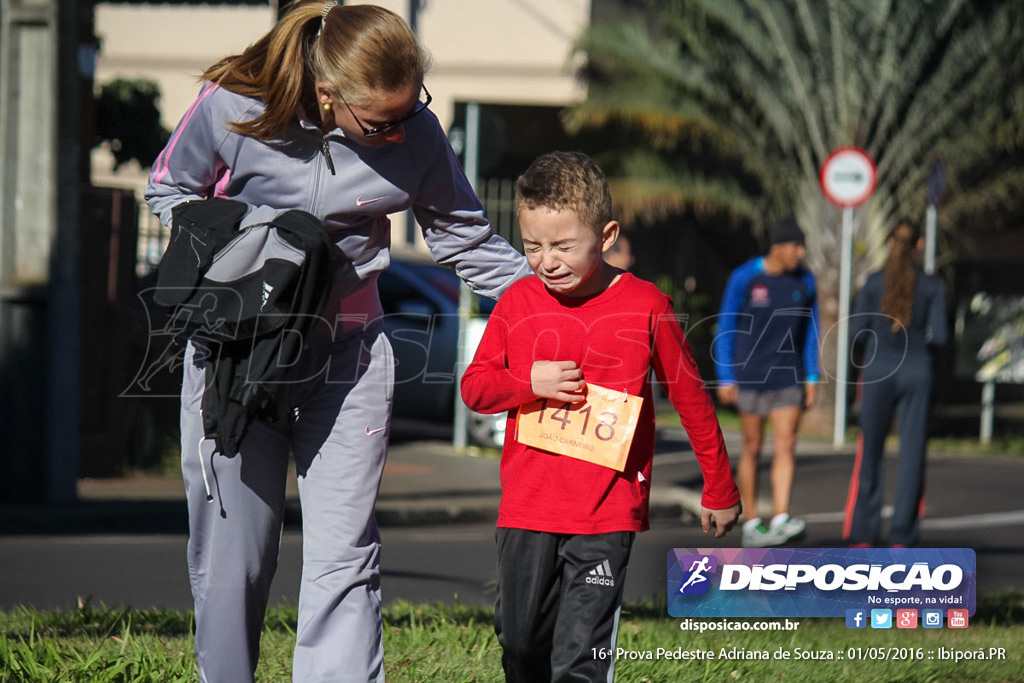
x: 781, y: 529
x: 786, y: 528
x: 757, y: 535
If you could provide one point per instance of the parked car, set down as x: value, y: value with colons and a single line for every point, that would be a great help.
x: 421, y: 318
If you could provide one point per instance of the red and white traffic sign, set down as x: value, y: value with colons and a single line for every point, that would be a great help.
x: 848, y: 177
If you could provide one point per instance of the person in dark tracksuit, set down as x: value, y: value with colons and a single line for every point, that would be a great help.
x: 899, y: 318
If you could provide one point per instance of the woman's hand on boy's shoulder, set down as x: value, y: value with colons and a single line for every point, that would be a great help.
x: 561, y: 380
x: 719, y: 520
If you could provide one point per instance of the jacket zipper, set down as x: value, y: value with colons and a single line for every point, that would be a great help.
x: 327, y: 154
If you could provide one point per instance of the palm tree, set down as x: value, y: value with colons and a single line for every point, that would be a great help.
x: 730, y: 107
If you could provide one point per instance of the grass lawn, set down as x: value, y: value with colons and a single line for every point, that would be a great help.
x: 453, y: 643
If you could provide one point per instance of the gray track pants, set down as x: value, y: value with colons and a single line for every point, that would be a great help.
x: 339, y: 442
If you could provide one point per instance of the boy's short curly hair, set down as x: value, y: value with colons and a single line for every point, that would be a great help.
x: 566, y: 181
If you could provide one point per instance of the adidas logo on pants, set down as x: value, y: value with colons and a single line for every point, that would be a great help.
x: 601, y: 575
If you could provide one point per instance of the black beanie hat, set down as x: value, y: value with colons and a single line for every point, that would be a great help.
x: 785, y: 231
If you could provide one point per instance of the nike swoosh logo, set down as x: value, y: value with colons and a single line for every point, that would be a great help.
x: 371, y: 432
x: 363, y: 202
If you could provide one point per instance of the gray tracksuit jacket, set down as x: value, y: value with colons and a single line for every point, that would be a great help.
x: 352, y: 192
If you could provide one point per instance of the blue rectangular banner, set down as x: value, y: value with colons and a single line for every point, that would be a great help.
x: 817, y: 582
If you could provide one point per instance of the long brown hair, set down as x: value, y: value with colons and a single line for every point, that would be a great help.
x: 359, y: 50
x: 900, y: 275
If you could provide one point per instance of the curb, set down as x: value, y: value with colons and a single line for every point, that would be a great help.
x: 171, y: 516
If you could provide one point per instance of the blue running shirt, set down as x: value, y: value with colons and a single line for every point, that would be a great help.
x: 767, y: 336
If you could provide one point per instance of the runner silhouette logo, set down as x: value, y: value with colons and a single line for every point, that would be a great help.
x: 697, y: 580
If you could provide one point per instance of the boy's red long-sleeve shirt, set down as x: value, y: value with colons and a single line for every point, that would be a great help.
x: 616, y: 338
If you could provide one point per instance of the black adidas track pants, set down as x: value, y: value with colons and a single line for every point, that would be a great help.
x: 558, y: 604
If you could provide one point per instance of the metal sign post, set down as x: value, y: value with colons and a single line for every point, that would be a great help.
x: 936, y: 190
x: 461, y: 417
x: 848, y: 177
x: 843, y: 342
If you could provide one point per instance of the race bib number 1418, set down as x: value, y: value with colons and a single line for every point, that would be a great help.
x: 599, y: 430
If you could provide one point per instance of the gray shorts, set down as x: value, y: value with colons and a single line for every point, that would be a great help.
x: 763, y: 402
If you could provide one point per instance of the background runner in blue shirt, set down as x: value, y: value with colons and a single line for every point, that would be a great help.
x: 766, y: 360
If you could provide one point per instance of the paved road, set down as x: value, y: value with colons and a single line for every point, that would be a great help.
x: 421, y: 564
x: 972, y: 502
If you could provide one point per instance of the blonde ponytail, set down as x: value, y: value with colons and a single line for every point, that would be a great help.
x: 360, y: 50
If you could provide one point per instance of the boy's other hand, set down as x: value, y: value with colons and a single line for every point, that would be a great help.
x: 561, y: 380
x: 727, y: 394
x: 721, y: 520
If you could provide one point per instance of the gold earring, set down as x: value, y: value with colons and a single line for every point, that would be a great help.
x: 327, y: 105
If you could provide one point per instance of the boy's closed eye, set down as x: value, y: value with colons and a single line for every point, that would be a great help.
x: 533, y: 247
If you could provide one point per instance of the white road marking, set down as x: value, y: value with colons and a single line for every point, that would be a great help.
x: 987, y: 519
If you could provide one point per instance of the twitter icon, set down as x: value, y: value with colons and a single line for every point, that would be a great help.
x: 881, y: 618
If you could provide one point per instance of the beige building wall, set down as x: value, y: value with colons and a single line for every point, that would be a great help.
x: 491, y: 51
x: 172, y: 45
x: 503, y: 51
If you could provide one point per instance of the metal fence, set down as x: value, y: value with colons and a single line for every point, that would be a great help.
x: 152, y: 239
x: 498, y: 196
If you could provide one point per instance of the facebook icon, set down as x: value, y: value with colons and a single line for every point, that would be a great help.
x: 856, y: 618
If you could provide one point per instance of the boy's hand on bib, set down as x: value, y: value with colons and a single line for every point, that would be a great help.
x: 561, y: 380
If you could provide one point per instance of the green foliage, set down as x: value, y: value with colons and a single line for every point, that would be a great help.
x: 730, y: 107
x: 101, y: 645
x: 441, y: 642
x: 693, y: 306
x: 128, y: 118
